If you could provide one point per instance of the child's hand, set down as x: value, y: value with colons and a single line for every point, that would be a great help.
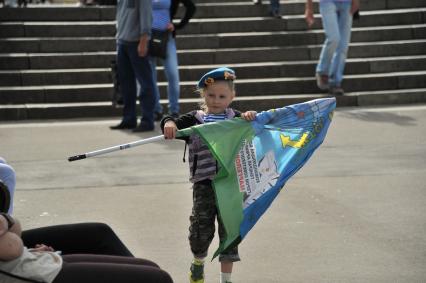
x: 249, y: 115
x: 170, y: 129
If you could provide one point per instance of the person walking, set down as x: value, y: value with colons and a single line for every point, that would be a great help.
x: 134, y: 20
x: 337, y: 16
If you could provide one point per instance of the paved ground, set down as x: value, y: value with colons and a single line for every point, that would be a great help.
x: 354, y: 213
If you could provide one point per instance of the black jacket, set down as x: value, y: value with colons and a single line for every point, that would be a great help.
x: 189, y: 12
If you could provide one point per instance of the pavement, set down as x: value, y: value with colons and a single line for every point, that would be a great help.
x: 354, y: 213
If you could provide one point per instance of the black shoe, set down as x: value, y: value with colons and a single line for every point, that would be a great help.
x: 276, y: 15
x: 143, y: 127
x: 123, y: 126
x: 336, y: 91
x: 158, y: 116
x: 174, y: 115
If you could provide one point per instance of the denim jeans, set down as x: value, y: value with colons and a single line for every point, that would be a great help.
x: 131, y: 67
x: 337, y: 24
x: 275, y: 6
x: 171, y: 70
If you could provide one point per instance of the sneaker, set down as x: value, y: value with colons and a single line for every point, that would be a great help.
x: 322, y: 81
x: 158, y: 116
x: 336, y: 91
x: 276, y: 15
x: 174, y: 115
x: 196, y: 273
x: 143, y: 127
x: 257, y: 2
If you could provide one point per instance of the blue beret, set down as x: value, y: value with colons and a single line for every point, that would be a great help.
x: 219, y: 74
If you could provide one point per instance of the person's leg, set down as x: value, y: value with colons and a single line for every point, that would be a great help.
x: 158, y: 108
x: 226, y: 258
x: 171, y: 69
x: 130, y: 271
x: 275, y: 8
x: 87, y: 238
x: 8, y: 176
x: 127, y: 81
x: 202, y: 227
x: 143, y: 71
x: 331, y: 29
x: 96, y: 258
x: 339, y: 59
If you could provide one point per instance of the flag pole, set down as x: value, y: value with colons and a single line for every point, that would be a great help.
x: 115, y: 148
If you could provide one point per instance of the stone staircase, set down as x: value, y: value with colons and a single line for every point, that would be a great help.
x: 55, y: 59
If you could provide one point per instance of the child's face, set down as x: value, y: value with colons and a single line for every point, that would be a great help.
x: 217, y: 97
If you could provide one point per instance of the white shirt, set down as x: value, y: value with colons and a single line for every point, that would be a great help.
x: 40, y: 266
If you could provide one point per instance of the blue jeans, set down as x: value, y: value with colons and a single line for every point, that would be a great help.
x: 275, y: 6
x: 171, y: 70
x: 337, y: 24
x: 131, y: 67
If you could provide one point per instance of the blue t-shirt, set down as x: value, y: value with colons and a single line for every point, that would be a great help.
x: 160, y: 14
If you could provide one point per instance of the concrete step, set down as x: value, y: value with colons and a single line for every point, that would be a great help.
x: 226, y: 40
x: 246, y: 87
x: 54, y: 59
x: 204, y: 10
x: 192, y: 73
x: 228, y: 56
x: 207, y: 26
x: 259, y: 103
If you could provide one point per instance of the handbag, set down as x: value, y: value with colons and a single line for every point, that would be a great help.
x: 158, y: 43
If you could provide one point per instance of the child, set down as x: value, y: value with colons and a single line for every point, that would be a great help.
x: 217, y: 89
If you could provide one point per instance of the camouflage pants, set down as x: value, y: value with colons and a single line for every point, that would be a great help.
x: 202, y: 223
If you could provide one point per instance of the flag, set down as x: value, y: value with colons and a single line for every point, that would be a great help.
x: 257, y: 158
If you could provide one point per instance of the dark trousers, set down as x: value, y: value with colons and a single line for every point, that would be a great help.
x: 131, y: 67
x: 110, y: 269
x: 93, y: 253
x: 81, y: 238
x: 202, y: 222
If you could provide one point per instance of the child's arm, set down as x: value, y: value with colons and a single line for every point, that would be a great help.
x: 249, y: 115
x: 171, y: 125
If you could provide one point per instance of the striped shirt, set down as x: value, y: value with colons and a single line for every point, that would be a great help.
x: 201, y: 162
x: 208, y: 118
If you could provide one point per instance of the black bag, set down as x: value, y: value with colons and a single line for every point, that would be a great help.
x: 4, y: 198
x: 158, y: 43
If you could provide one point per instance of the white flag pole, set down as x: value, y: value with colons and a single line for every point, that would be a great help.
x: 115, y: 148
